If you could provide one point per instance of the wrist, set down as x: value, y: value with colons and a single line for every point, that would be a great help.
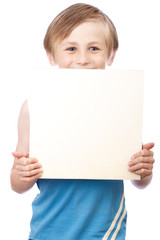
x: 144, y: 182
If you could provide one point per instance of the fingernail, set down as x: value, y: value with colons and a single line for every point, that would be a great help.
x: 129, y: 163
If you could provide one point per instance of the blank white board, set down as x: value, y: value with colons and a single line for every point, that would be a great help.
x: 85, y: 124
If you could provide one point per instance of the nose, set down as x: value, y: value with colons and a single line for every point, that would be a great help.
x: 82, y: 58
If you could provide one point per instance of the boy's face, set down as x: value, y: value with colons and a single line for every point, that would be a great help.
x: 84, y: 48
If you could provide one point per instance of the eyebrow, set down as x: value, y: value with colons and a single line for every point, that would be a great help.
x: 71, y: 43
x: 90, y: 43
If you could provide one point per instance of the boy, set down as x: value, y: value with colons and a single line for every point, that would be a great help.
x: 79, y: 37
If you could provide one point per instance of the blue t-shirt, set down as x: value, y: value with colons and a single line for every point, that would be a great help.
x: 79, y: 210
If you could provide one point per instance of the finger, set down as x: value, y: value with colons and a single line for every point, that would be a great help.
x: 143, y: 153
x: 28, y: 161
x: 20, y: 154
x: 32, y: 178
x: 31, y: 173
x: 33, y: 166
x: 29, y: 167
x: 141, y: 159
x: 148, y: 146
x: 141, y: 166
x: 144, y: 173
x: 25, y: 161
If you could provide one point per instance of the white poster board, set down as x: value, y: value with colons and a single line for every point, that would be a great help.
x: 85, y: 124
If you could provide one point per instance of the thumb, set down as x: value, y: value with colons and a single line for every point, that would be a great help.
x: 148, y: 146
x: 20, y: 154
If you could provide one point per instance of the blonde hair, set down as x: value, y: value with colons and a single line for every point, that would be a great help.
x: 66, y: 21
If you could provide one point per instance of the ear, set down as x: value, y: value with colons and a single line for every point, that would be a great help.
x: 50, y: 58
x: 111, y: 59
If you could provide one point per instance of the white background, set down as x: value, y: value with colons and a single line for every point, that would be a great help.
x: 22, y: 28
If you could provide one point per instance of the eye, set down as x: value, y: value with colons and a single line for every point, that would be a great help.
x: 71, y: 49
x: 93, y: 48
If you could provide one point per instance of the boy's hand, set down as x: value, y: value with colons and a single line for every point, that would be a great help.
x: 142, y: 162
x: 28, y: 169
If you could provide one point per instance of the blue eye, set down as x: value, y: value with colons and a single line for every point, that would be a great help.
x: 93, y: 48
x: 71, y: 49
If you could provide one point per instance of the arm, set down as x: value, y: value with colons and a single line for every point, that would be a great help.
x: 142, y: 163
x: 25, y: 170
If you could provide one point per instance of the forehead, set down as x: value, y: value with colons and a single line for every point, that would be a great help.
x: 90, y: 30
